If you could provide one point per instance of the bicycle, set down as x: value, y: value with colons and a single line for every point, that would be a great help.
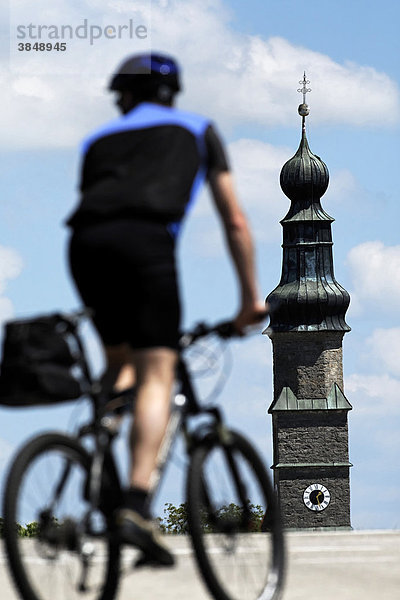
x: 75, y: 540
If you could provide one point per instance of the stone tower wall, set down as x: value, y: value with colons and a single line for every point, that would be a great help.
x: 310, y: 445
x: 311, y: 437
x: 296, y: 515
x: 309, y: 363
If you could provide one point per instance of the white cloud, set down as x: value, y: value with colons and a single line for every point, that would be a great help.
x: 389, y: 441
x: 384, y: 349
x: 252, y: 79
x: 375, y: 272
x: 343, y: 186
x: 10, y: 268
x: 379, y: 384
x: 256, y: 167
x: 374, y: 434
x: 52, y: 99
x: 33, y: 87
x: 10, y: 265
x: 256, y: 352
x: 374, y: 394
x: 239, y: 78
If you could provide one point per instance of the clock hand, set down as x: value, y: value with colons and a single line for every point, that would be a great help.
x: 319, y: 494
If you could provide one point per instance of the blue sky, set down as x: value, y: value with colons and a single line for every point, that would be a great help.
x: 242, y: 62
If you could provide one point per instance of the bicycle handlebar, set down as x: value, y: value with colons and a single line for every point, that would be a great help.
x: 224, y: 329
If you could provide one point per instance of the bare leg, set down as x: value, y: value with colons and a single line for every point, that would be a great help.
x: 155, y: 370
x: 120, y: 372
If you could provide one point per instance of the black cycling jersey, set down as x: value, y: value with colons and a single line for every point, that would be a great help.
x: 149, y: 162
x: 140, y: 173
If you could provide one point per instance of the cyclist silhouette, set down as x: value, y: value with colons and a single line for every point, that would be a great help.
x: 140, y: 174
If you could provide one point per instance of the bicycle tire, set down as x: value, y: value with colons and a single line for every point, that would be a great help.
x: 50, y: 565
x: 236, y: 559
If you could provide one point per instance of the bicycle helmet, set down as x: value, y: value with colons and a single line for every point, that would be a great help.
x: 147, y: 75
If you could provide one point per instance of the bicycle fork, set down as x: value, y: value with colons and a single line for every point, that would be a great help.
x: 93, y: 491
x: 222, y: 438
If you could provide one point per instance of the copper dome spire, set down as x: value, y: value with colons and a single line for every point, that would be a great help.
x: 308, y: 297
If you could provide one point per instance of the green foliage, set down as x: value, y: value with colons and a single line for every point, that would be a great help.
x: 250, y: 519
x: 175, y: 518
x: 234, y: 516
x: 30, y: 530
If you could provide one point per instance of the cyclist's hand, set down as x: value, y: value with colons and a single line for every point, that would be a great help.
x: 250, y: 315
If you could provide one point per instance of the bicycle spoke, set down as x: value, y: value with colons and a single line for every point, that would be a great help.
x: 228, y: 494
x: 46, y: 486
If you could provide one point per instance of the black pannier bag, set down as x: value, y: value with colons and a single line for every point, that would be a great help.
x: 39, y: 362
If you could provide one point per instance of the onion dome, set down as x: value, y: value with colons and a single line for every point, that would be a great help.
x: 308, y: 297
x: 304, y: 173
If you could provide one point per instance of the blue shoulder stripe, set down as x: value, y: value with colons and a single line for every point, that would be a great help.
x: 148, y: 114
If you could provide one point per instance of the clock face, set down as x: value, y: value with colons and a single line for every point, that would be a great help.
x: 316, y: 497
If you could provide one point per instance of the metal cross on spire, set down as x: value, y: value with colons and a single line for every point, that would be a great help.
x: 304, y: 90
x: 303, y: 109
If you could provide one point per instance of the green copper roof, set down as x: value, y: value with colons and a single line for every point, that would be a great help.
x: 305, y: 174
x: 287, y: 401
x: 308, y: 297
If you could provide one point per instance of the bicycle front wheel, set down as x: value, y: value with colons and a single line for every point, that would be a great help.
x: 53, y: 551
x: 234, y: 521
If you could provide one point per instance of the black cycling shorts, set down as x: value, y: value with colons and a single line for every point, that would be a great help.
x: 124, y: 270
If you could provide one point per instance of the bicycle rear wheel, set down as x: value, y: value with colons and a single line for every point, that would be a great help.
x: 44, y: 495
x: 234, y: 521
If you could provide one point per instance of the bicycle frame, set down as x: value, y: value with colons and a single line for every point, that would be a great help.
x: 184, y: 404
x: 225, y: 511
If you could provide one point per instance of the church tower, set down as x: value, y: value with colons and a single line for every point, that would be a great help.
x: 307, y: 324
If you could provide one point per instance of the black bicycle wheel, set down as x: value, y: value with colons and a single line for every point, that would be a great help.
x: 45, y: 496
x: 234, y: 521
